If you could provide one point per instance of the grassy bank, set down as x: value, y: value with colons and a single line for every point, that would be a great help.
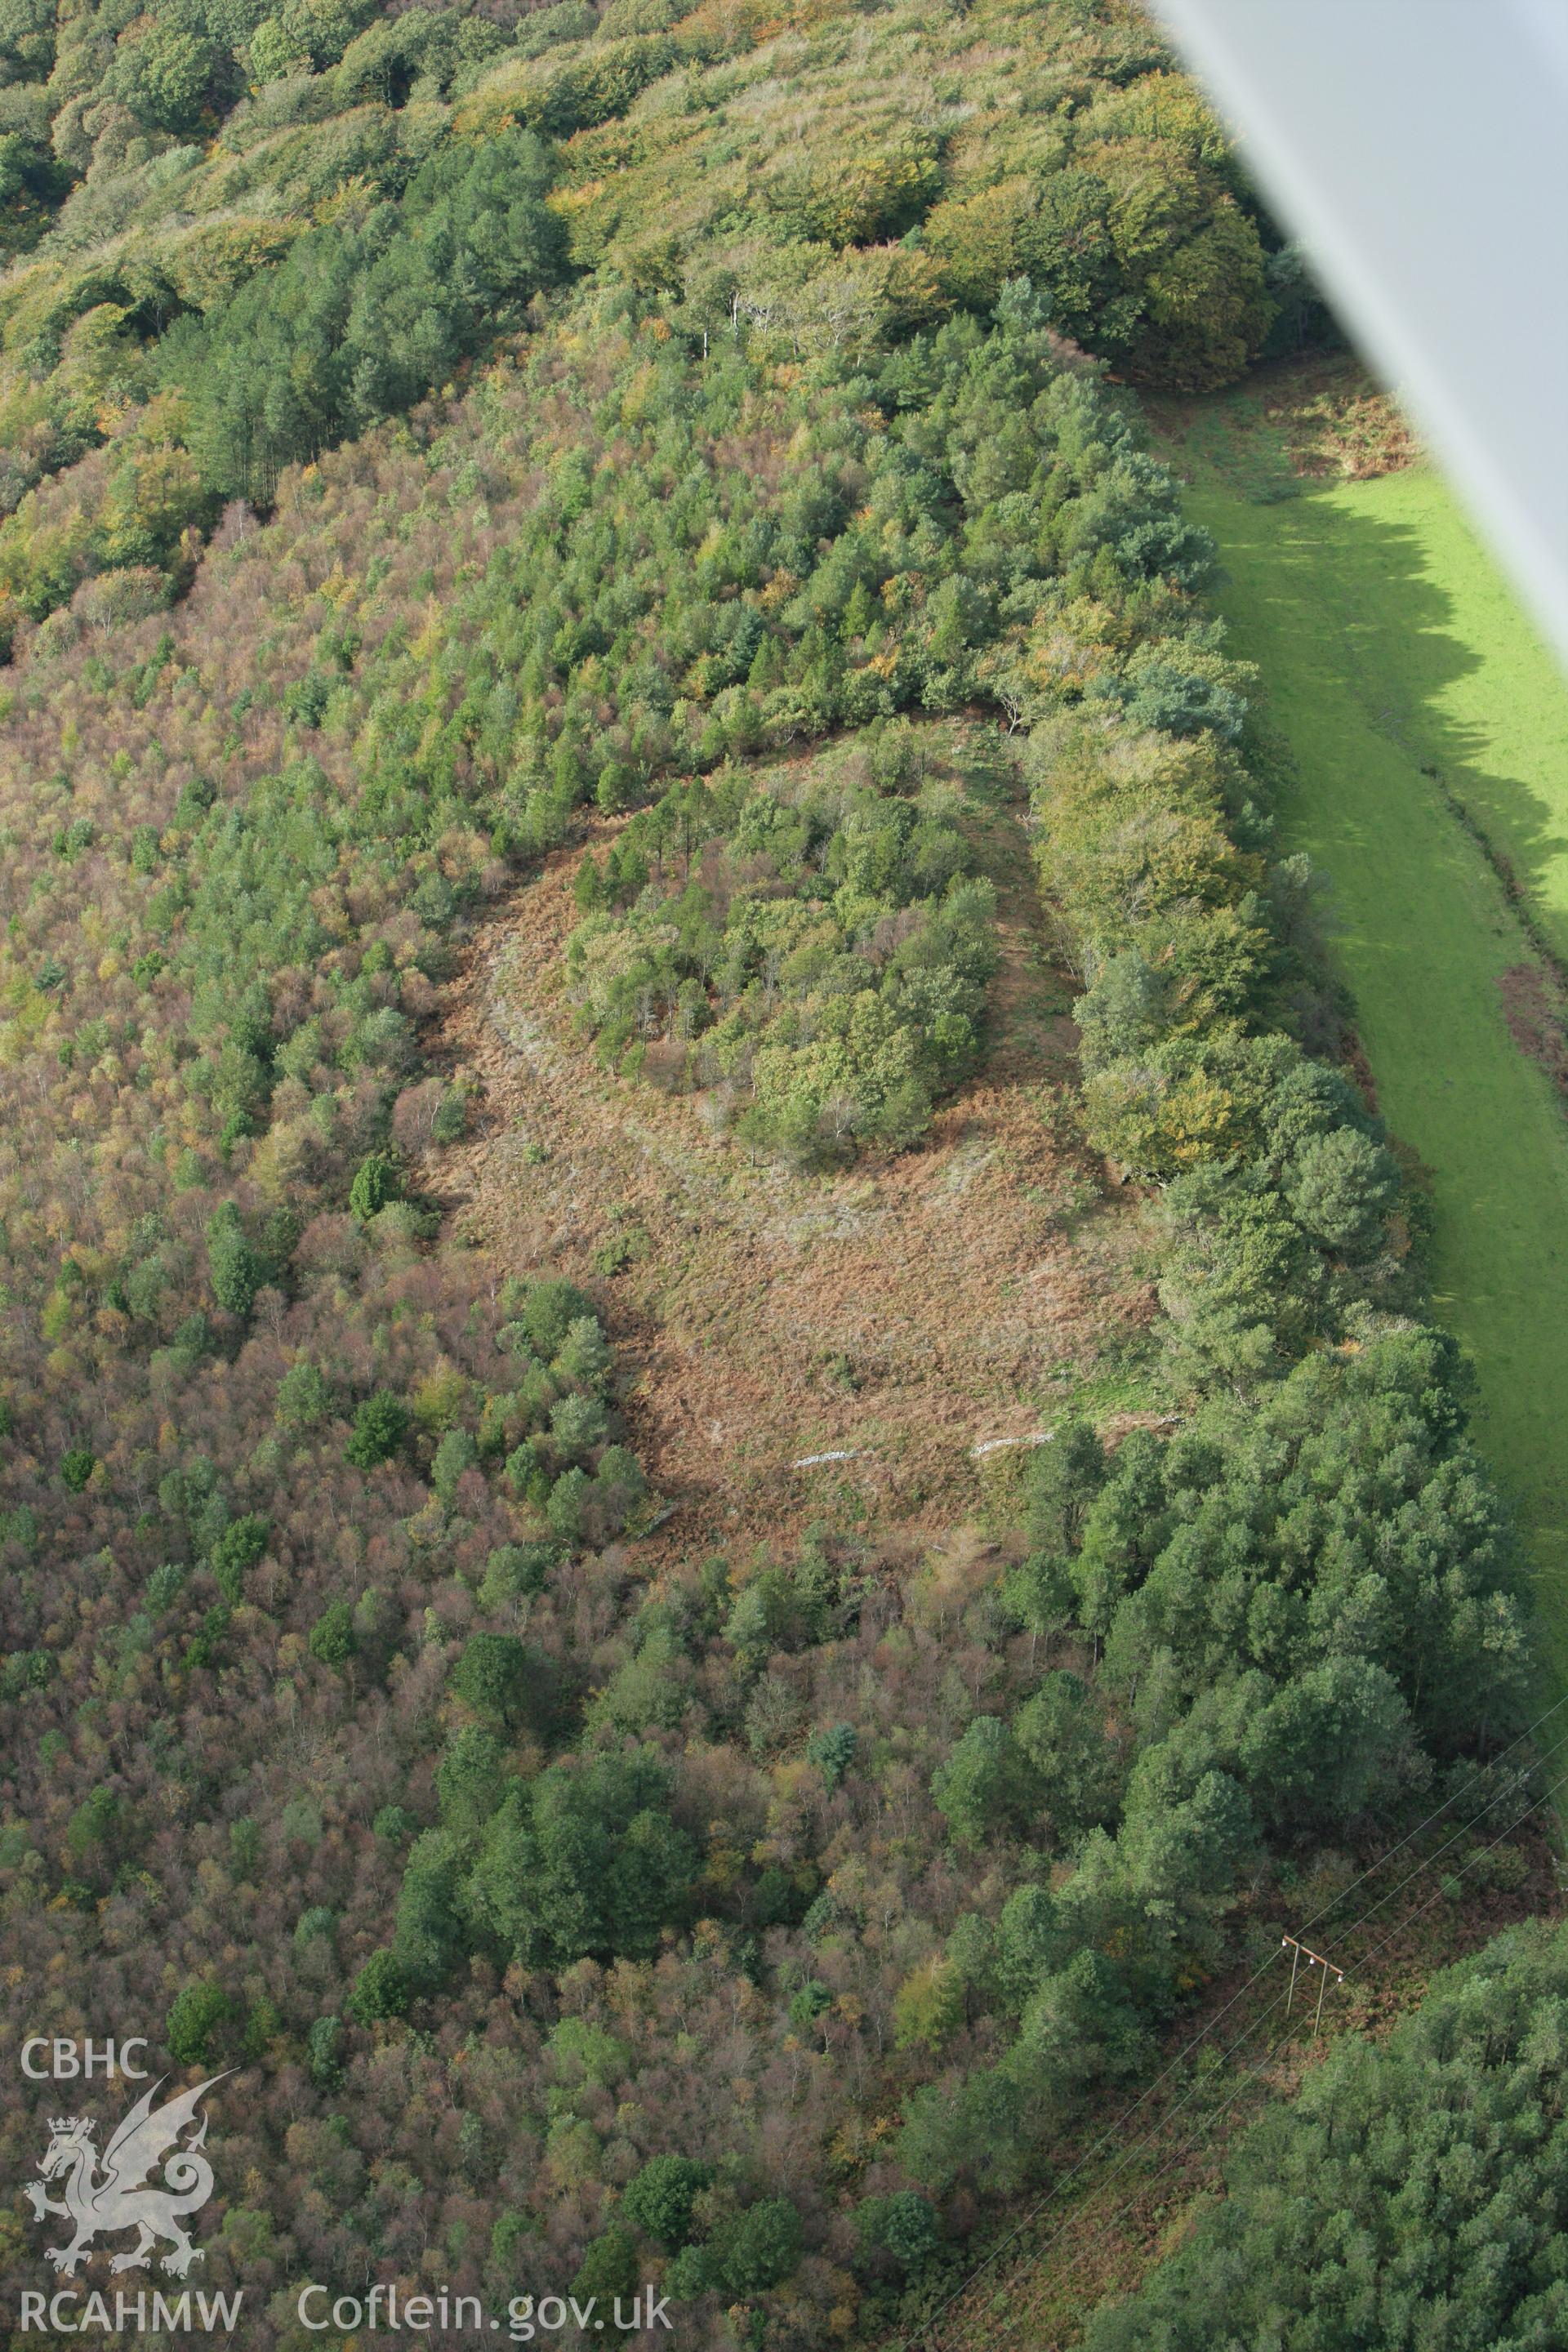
x: 1408, y: 686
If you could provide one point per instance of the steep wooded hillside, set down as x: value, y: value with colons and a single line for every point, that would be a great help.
x: 559, y: 788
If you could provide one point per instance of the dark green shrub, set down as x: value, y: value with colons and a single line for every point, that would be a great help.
x: 194, y: 2019
x: 380, y: 1991
x: 380, y: 1427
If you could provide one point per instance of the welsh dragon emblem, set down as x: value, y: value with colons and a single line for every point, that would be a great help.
x: 102, y: 2201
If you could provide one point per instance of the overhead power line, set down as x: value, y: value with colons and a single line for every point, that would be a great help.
x: 911, y: 2343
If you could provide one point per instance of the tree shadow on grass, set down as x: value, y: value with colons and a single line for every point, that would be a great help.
x: 1391, y: 630
x: 1390, y: 635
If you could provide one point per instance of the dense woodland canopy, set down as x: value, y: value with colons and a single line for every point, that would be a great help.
x: 242, y: 235
x: 749, y: 1924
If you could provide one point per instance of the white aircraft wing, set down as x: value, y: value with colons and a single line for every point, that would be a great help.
x: 1419, y: 151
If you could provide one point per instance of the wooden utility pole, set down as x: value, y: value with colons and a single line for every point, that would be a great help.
x: 1300, y: 1952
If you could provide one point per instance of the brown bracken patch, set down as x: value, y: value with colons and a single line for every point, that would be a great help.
x: 1537, y: 1017
x: 1360, y: 1068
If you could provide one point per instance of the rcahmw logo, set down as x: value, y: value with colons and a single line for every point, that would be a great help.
x: 149, y: 2178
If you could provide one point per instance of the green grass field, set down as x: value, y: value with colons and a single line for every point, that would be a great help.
x: 1391, y: 650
